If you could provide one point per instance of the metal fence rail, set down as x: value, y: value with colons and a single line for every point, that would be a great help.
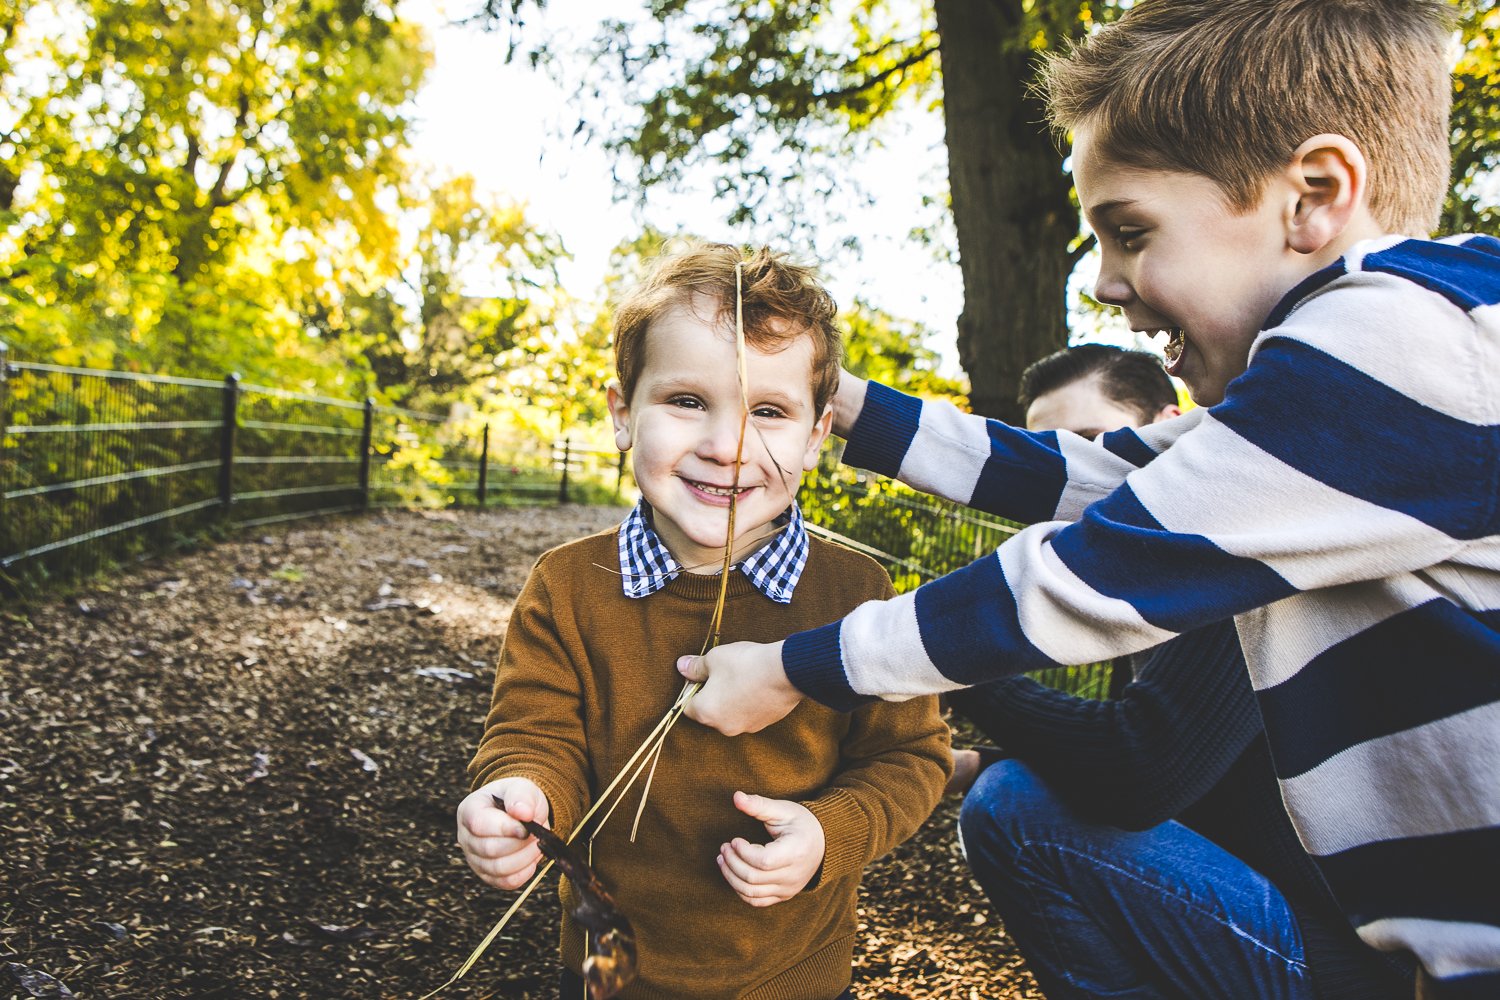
x: 97, y: 466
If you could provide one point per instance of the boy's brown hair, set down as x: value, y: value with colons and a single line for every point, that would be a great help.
x: 782, y: 301
x: 1229, y: 89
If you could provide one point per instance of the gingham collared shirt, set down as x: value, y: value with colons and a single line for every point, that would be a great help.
x: 773, y: 569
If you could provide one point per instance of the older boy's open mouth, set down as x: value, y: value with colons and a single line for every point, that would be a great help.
x: 1172, y: 353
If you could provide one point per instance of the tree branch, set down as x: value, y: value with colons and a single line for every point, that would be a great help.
x: 844, y: 93
x: 1078, y: 252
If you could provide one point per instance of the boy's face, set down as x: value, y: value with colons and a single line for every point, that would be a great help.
x: 683, y: 425
x: 1178, y: 259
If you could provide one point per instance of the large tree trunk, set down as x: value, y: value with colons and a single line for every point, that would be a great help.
x: 1011, y: 202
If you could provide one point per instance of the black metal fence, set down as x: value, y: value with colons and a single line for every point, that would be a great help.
x: 97, y: 466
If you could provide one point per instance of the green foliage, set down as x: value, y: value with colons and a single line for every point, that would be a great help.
x: 771, y: 98
x: 1473, y: 205
x: 891, y: 350
x: 185, y: 171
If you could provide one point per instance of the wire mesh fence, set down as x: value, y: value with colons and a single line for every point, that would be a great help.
x: 99, y: 466
x: 918, y: 538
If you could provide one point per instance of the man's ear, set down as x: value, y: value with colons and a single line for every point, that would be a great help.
x: 1167, y: 413
x: 815, y: 441
x: 1330, y: 177
x: 619, y: 413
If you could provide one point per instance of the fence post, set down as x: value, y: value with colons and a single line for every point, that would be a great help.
x: 6, y: 541
x: 562, y: 487
x: 484, y: 464
x: 366, y: 439
x: 619, y: 476
x: 231, y: 403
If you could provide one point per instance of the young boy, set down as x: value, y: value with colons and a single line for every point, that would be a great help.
x: 1250, y: 168
x: 582, y: 678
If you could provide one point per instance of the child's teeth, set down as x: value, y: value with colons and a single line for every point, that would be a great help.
x: 1175, y: 343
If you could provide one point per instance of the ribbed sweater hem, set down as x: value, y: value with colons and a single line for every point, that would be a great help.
x: 827, y: 972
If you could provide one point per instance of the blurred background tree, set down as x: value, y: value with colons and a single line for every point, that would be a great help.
x: 1471, y: 204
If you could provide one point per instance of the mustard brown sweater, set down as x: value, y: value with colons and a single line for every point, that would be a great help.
x: 586, y: 673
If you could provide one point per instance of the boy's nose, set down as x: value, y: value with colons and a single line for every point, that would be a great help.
x: 1111, y: 289
x: 721, y: 439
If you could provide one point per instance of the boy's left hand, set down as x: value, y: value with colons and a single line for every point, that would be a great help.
x: 765, y: 874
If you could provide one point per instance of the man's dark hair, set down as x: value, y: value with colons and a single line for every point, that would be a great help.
x: 1133, y: 379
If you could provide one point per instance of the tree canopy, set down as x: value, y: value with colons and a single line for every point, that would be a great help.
x: 774, y: 100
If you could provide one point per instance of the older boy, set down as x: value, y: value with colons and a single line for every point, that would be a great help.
x: 581, y: 679
x: 1139, y: 843
x: 1248, y: 166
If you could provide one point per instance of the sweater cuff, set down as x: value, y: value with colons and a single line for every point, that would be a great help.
x: 815, y: 665
x: 883, y: 431
x: 846, y: 836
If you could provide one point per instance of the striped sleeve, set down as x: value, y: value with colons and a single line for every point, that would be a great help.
x: 991, y: 466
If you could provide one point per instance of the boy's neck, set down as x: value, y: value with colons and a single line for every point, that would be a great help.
x: 700, y: 563
x: 1363, y: 226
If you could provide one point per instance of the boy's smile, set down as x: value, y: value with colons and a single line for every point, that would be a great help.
x: 682, y: 426
x: 1180, y: 260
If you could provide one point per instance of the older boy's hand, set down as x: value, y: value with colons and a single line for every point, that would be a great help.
x: 848, y: 402
x: 744, y: 688
x: 766, y: 874
x: 494, y: 843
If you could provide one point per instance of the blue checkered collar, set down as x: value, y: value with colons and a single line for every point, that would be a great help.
x: 773, y: 569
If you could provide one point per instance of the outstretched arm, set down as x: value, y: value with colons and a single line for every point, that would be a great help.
x: 1023, y: 475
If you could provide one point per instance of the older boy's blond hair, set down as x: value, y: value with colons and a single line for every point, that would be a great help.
x: 1230, y: 88
x: 781, y: 300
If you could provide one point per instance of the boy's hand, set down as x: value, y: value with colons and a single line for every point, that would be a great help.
x: 848, y: 402
x: 744, y: 688
x: 766, y: 874
x: 495, y: 845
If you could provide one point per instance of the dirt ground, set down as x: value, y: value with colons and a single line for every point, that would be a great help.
x: 232, y: 773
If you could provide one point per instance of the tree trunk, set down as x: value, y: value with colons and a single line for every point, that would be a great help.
x: 1011, y: 203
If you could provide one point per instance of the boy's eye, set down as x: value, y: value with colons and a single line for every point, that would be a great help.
x: 770, y: 412
x: 1129, y: 238
x: 686, y: 402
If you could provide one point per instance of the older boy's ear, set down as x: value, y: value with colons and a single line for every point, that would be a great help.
x: 820, y: 431
x: 1329, y: 176
x: 619, y: 414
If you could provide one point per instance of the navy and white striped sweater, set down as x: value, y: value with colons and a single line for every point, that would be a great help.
x: 1343, y: 502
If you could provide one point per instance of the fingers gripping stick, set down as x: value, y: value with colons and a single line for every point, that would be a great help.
x: 611, y: 962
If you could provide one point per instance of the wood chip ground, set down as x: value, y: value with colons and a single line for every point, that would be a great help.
x: 231, y: 773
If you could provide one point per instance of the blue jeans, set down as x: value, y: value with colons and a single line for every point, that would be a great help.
x: 1103, y: 912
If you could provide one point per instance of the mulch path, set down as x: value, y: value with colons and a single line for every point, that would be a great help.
x: 232, y: 773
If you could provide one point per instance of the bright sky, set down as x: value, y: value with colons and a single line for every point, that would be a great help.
x: 500, y: 123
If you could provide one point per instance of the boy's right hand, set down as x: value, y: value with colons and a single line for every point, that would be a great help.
x: 494, y: 843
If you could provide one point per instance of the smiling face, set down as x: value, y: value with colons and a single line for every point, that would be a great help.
x: 1180, y: 260
x: 682, y: 425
